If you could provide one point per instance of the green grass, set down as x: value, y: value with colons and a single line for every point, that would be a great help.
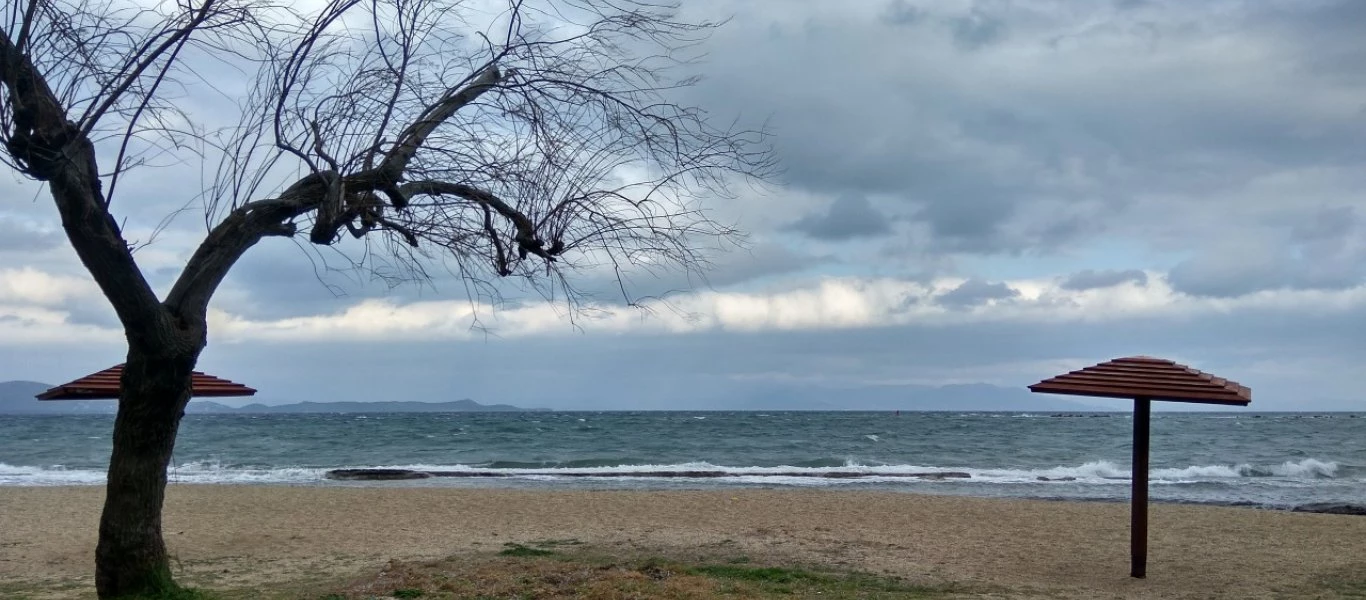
x: 512, y: 549
x: 759, y: 574
x: 835, y: 584
x: 1347, y: 587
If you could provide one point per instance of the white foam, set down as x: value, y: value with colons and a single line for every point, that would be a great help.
x: 214, y: 472
x: 53, y: 475
x: 1099, y: 472
x: 1197, y: 472
x: 1307, y: 468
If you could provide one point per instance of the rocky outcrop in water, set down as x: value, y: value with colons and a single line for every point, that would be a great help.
x: 397, y: 474
x: 375, y: 474
x: 1333, y: 508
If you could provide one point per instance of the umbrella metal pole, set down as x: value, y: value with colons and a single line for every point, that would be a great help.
x: 1138, y: 523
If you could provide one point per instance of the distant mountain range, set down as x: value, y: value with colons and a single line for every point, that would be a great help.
x: 200, y: 406
x: 17, y: 398
x: 977, y: 397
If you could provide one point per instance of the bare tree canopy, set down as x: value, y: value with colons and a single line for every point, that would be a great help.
x: 514, y: 139
x: 511, y: 147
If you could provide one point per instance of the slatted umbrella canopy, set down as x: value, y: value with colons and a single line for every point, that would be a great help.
x: 105, y: 385
x: 1145, y: 379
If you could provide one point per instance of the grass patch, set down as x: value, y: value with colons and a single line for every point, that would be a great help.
x: 512, y: 549
x: 1347, y: 587
x: 1349, y: 583
x: 176, y: 594
x: 759, y: 574
x: 529, y: 571
x: 523, y: 571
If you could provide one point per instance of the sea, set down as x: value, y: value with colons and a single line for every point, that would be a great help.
x: 1271, y: 460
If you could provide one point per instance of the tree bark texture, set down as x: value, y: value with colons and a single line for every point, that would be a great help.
x: 130, y: 558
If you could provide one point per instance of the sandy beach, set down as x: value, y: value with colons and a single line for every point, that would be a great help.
x: 241, y: 536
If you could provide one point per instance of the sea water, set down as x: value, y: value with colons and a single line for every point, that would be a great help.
x: 1275, y: 460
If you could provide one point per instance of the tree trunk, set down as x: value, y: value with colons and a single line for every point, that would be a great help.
x: 131, y: 558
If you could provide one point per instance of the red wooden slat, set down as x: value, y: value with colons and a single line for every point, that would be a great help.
x: 105, y: 385
x: 1146, y: 377
x: 1197, y: 384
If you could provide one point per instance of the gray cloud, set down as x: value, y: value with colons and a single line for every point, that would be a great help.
x: 1224, y: 275
x: 1320, y: 249
x: 977, y: 29
x: 848, y: 217
x: 22, y: 235
x: 1100, y: 107
x: 976, y: 291
x: 763, y: 260
x: 1224, y: 140
x: 1227, y: 276
x: 731, y: 267
x: 972, y: 224
x: 972, y: 31
x: 278, y: 280
x: 1090, y: 279
x: 1326, y: 224
x: 900, y: 12
x: 93, y: 311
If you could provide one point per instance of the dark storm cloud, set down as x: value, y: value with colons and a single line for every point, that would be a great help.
x: 976, y: 291
x: 1091, y: 279
x: 1058, y: 104
x: 848, y: 217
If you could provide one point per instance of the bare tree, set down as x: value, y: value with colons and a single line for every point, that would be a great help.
x: 516, y: 143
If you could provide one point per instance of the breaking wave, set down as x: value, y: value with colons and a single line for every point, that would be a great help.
x: 815, y: 472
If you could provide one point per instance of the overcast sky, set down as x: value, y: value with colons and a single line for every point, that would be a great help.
x: 972, y: 192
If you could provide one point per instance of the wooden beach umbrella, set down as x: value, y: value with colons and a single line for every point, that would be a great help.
x: 1144, y: 379
x: 105, y: 385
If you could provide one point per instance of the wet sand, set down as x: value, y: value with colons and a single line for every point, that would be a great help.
x: 230, y: 537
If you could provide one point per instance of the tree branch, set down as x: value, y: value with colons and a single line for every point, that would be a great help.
x: 174, y: 41
x: 526, y: 238
x: 413, y: 136
x: 222, y: 248
x: 54, y: 150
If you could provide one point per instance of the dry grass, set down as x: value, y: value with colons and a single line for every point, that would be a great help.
x: 543, y: 570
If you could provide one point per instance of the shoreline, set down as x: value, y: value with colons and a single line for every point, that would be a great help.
x: 574, y: 484
x: 233, y: 536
